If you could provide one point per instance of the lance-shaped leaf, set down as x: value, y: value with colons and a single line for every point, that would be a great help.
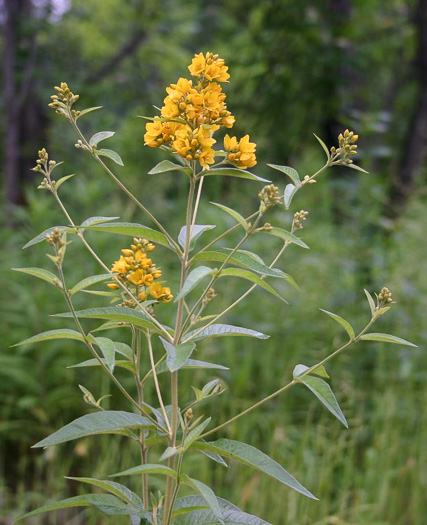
x: 207, y: 494
x: 252, y: 457
x: 120, y: 363
x: 318, y: 371
x: 108, y: 351
x: 42, y: 236
x: 252, y: 277
x: 147, y: 468
x: 386, y: 338
x: 113, y: 155
x: 89, y: 281
x: 193, y: 279
x: 118, y: 313
x: 106, y: 422
x: 192, y: 364
x: 290, y: 191
x: 196, y: 231
x: 345, y: 324
x: 132, y: 230
x: 167, y: 165
x: 63, y: 333
x: 235, y: 214
x: 321, y: 390
x: 325, y: 148
x: 101, y: 135
x: 195, y: 433
x: 195, y: 502
x: 229, y: 517
x: 87, y: 110
x: 355, y: 167
x: 61, y: 181
x: 291, y: 172
x: 178, y: 355
x: 40, y: 273
x: 233, y: 172
x: 285, y: 235
x: 370, y: 301
x: 106, y: 503
x: 114, y: 488
x: 221, y: 330
x: 97, y: 220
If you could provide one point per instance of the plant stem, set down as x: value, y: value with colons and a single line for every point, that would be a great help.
x: 174, y: 375
x: 156, y: 382
x: 123, y: 187
x: 105, y: 267
x: 95, y: 353
x: 291, y: 383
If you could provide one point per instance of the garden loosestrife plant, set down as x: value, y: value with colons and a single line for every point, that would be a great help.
x: 135, y: 295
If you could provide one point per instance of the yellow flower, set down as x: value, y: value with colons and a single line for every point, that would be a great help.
x: 209, y: 67
x: 136, y: 278
x: 113, y: 286
x: 195, y: 145
x: 153, y: 135
x: 121, y: 266
x: 161, y: 293
x: 240, y: 153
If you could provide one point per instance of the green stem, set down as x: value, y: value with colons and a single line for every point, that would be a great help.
x: 123, y: 187
x: 291, y: 383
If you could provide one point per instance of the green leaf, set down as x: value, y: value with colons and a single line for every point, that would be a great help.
x: 97, y: 220
x: 249, y: 276
x: 221, y: 330
x: 101, y: 135
x: 206, y: 492
x: 196, y: 231
x: 42, y: 236
x: 345, y: 324
x: 167, y: 165
x: 111, y: 155
x: 325, y: 148
x: 195, y: 433
x: 235, y: 214
x: 106, y: 422
x: 106, y: 503
x: 370, y: 301
x: 108, y: 351
x: 84, y: 283
x: 147, y: 468
x: 293, y: 174
x: 290, y: 191
x: 193, y: 279
x: 120, y: 363
x: 116, y: 489
x: 52, y: 334
x: 386, y: 338
x: 285, y: 235
x: 132, y: 230
x: 115, y: 313
x: 192, y: 364
x: 62, y: 180
x: 318, y: 371
x: 45, y: 275
x: 244, y: 259
x: 214, y: 457
x: 230, y: 517
x: 177, y: 356
x: 355, y: 167
x: 87, y: 110
x: 323, y: 392
x: 233, y: 172
x: 252, y: 457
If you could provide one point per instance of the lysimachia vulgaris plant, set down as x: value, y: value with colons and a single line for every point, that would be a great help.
x: 167, y: 428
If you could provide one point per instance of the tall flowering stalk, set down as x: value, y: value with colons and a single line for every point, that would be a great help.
x: 193, y: 111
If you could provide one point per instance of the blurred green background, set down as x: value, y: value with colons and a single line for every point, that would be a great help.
x: 297, y: 68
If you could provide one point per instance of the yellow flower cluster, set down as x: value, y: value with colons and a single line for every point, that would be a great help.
x: 135, y: 267
x: 193, y: 110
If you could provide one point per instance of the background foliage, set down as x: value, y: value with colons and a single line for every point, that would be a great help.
x: 297, y: 69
